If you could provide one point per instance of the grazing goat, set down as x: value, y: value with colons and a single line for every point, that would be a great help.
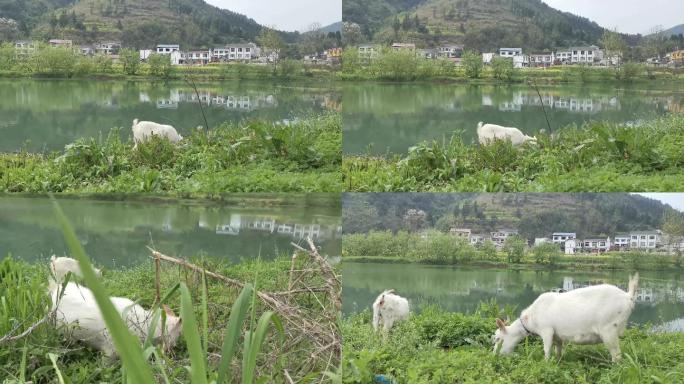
x: 589, y: 315
x: 60, y: 266
x: 487, y: 133
x: 77, y: 311
x: 389, y: 308
x: 144, y: 130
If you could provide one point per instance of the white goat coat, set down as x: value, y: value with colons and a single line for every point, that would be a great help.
x: 60, y: 266
x: 487, y: 133
x: 77, y: 310
x: 589, y: 315
x: 144, y: 130
x: 389, y: 308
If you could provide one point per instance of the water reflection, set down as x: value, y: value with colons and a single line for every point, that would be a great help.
x: 116, y: 233
x: 381, y: 118
x: 44, y: 115
x: 659, y: 297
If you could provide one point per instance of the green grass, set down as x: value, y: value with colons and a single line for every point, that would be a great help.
x: 255, y: 157
x: 597, y: 157
x: 23, y: 300
x: 440, y: 347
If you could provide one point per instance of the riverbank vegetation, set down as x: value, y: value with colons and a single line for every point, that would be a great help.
x: 291, y: 349
x: 434, y: 247
x: 55, y: 62
x: 303, y: 156
x: 598, y: 157
x: 441, y: 347
x: 404, y: 65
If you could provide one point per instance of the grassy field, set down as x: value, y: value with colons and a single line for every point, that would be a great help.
x: 597, y: 157
x: 24, y: 300
x: 440, y: 347
x: 257, y: 157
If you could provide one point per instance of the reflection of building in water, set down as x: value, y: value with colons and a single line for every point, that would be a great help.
x: 271, y: 225
x: 231, y: 102
x: 571, y: 104
x: 645, y: 294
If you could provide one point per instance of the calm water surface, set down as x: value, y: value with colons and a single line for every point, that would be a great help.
x: 116, y: 233
x: 389, y: 118
x: 45, y: 115
x: 660, y: 299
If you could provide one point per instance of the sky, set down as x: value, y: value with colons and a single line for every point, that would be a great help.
x: 629, y: 16
x: 289, y: 15
x: 676, y: 200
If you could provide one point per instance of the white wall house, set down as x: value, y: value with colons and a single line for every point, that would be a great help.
x: 542, y: 60
x: 645, y: 239
x: 521, y: 61
x: 368, y: 51
x: 240, y: 52
x: 25, y: 47
x: 510, y: 52
x: 570, y: 247
x: 145, y: 53
x: 621, y: 241
x: 108, y: 48
x: 499, y: 237
x: 477, y: 240
x: 585, y: 55
x: 488, y: 57
x: 167, y: 49
x: 450, y: 51
x: 561, y: 237
x: 197, y: 57
x: 460, y: 232
x: 600, y: 245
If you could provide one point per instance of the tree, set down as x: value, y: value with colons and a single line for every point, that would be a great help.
x: 472, y: 63
x: 502, y: 68
x: 514, y: 248
x: 546, y: 253
x: 270, y: 39
x: 673, y: 226
x: 415, y: 219
x: 488, y: 250
x: 614, y: 45
x: 160, y: 65
x: 130, y: 60
x: 351, y: 34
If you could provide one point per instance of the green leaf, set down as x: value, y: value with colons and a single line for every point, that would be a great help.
x: 198, y: 371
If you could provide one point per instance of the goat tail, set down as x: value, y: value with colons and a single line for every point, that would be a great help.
x: 633, y: 284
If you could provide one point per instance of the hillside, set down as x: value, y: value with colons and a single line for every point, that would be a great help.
x: 677, y: 30
x: 533, y: 214
x: 479, y: 24
x: 192, y: 23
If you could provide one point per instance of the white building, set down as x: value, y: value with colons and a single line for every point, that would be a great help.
x: 585, y: 55
x: 460, y: 232
x: 368, y: 52
x: 599, y: 245
x: 510, y: 52
x: 645, y: 239
x: 621, y: 241
x: 25, y: 47
x: 477, y: 240
x: 404, y: 47
x: 499, y: 237
x: 167, y: 49
x: 237, y: 52
x: 570, y: 247
x: 488, y: 57
x: 196, y: 57
x: 145, y: 54
x: 543, y: 60
x: 451, y: 51
x: 108, y: 48
x: 521, y: 61
x: 561, y: 237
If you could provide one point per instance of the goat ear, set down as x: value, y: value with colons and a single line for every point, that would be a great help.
x: 169, y: 312
x: 501, y: 324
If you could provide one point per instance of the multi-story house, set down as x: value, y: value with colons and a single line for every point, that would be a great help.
x: 237, y: 52
x: 499, y: 237
x: 450, y: 51
x: 25, y: 47
x: 542, y: 60
x: 562, y: 237
x: 645, y: 239
x: 197, y: 57
x: 108, y: 48
x: 510, y: 52
x: 477, y: 240
x: 621, y: 241
x: 167, y: 49
x: 599, y: 245
x: 585, y: 55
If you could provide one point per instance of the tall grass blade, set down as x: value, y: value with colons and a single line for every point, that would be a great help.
x: 257, y: 339
x: 237, y: 318
x: 53, y: 359
x: 127, y: 345
x: 205, y: 314
x: 198, y: 374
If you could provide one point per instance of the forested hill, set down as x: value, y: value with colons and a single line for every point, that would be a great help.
x: 479, y: 24
x: 533, y: 214
x: 191, y: 23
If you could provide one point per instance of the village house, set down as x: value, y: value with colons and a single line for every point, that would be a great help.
x: 585, y: 55
x: 25, y: 47
x: 429, y: 53
x: 167, y: 49
x: 561, y: 237
x: 621, y: 241
x: 333, y: 56
x: 599, y: 245
x: 645, y: 239
x: 571, y: 246
x: 460, y: 232
x: 488, y: 57
x: 367, y: 51
x: 510, y: 52
x: 521, y: 61
x: 86, y: 50
x: 542, y: 60
x: 201, y: 57
x: 499, y: 237
x: 677, y: 57
x: 241, y: 52
x: 451, y: 51
x: 477, y: 240
x: 108, y: 48
x: 404, y: 47
x: 61, y: 43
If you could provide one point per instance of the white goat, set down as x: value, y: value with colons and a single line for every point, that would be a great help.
x: 589, y: 315
x: 389, y: 308
x: 487, y: 133
x: 144, y: 130
x: 60, y: 266
x: 77, y: 311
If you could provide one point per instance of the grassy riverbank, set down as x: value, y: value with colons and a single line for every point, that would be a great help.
x: 597, y: 157
x: 301, y: 157
x: 23, y: 287
x: 444, y: 249
x: 440, y: 347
